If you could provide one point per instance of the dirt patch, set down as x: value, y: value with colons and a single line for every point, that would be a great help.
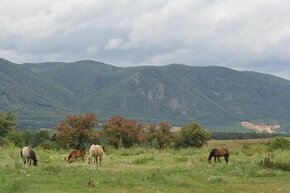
x: 260, y: 127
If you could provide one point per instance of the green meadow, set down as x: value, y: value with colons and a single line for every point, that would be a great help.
x: 151, y: 170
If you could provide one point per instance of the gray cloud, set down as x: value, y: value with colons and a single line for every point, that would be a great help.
x: 242, y: 34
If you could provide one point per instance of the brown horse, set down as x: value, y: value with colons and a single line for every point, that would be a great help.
x: 216, y: 153
x: 75, y: 154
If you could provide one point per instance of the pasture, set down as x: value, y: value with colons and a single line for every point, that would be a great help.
x: 149, y: 170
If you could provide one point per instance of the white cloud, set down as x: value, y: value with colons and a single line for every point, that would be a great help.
x: 115, y: 43
x: 240, y: 34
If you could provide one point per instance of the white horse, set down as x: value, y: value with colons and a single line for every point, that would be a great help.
x: 27, y: 155
x: 97, y: 152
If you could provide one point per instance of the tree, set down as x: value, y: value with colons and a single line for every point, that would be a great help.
x: 191, y: 135
x: 7, y: 123
x: 159, y: 136
x: 76, y: 130
x: 119, y: 131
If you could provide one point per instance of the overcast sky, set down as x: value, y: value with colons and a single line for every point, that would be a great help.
x: 239, y: 34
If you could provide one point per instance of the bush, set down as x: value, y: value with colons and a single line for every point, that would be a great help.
x: 159, y: 136
x: 119, y: 132
x: 191, y: 135
x: 15, y: 138
x: 7, y: 123
x: 279, y: 143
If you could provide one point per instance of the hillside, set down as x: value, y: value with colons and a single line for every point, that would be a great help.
x: 217, y: 97
x: 35, y: 100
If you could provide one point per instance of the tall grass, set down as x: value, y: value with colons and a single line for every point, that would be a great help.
x: 150, y: 170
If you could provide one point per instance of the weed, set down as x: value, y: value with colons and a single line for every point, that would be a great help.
x: 143, y: 160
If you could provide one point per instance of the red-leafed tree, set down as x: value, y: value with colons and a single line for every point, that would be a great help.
x: 76, y: 130
x: 120, y: 131
x: 159, y: 136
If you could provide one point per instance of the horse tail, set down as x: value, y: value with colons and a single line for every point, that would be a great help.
x: 21, y: 153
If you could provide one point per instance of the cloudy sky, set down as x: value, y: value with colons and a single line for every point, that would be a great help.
x: 239, y: 34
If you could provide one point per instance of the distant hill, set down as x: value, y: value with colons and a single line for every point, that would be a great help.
x: 217, y: 97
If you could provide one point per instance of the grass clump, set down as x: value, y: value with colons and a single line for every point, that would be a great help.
x: 143, y: 160
x: 267, y: 163
x: 279, y: 143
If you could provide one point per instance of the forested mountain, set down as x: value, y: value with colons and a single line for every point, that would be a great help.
x: 216, y: 97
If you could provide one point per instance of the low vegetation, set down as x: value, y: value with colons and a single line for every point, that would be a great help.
x: 141, y: 159
x: 140, y: 169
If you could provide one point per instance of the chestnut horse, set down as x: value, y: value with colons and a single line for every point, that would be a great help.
x: 216, y: 153
x: 75, y: 154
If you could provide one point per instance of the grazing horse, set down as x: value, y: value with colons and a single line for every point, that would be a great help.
x: 216, y: 153
x: 97, y: 152
x: 27, y: 155
x: 75, y: 154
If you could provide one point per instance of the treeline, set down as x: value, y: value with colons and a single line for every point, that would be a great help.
x: 239, y: 135
x: 78, y: 131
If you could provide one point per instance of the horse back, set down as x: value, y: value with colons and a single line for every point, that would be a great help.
x: 25, y: 152
x: 219, y: 152
x: 77, y: 153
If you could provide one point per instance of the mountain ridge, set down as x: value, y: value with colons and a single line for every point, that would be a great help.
x: 214, y: 96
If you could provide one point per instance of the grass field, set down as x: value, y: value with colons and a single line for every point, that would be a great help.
x: 149, y: 170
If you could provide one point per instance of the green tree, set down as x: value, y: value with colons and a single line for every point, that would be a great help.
x: 191, y: 135
x: 7, y: 123
x: 159, y: 136
x: 76, y: 130
x: 15, y: 137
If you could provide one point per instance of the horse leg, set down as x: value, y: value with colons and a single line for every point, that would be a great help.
x: 83, y: 157
x: 227, y: 159
x: 214, y: 159
x: 219, y: 159
x: 96, y: 159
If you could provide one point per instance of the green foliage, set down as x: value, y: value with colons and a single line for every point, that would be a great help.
x: 40, y: 138
x: 16, y: 138
x: 279, y: 143
x: 7, y: 123
x: 191, y: 135
x: 247, y: 135
x: 269, y: 164
x: 159, y: 136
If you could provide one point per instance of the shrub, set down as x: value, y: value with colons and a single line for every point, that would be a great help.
x: 191, y: 135
x: 15, y: 138
x: 119, y: 132
x: 7, y: 123
x: 159, y: 136
x: 279, y: 143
